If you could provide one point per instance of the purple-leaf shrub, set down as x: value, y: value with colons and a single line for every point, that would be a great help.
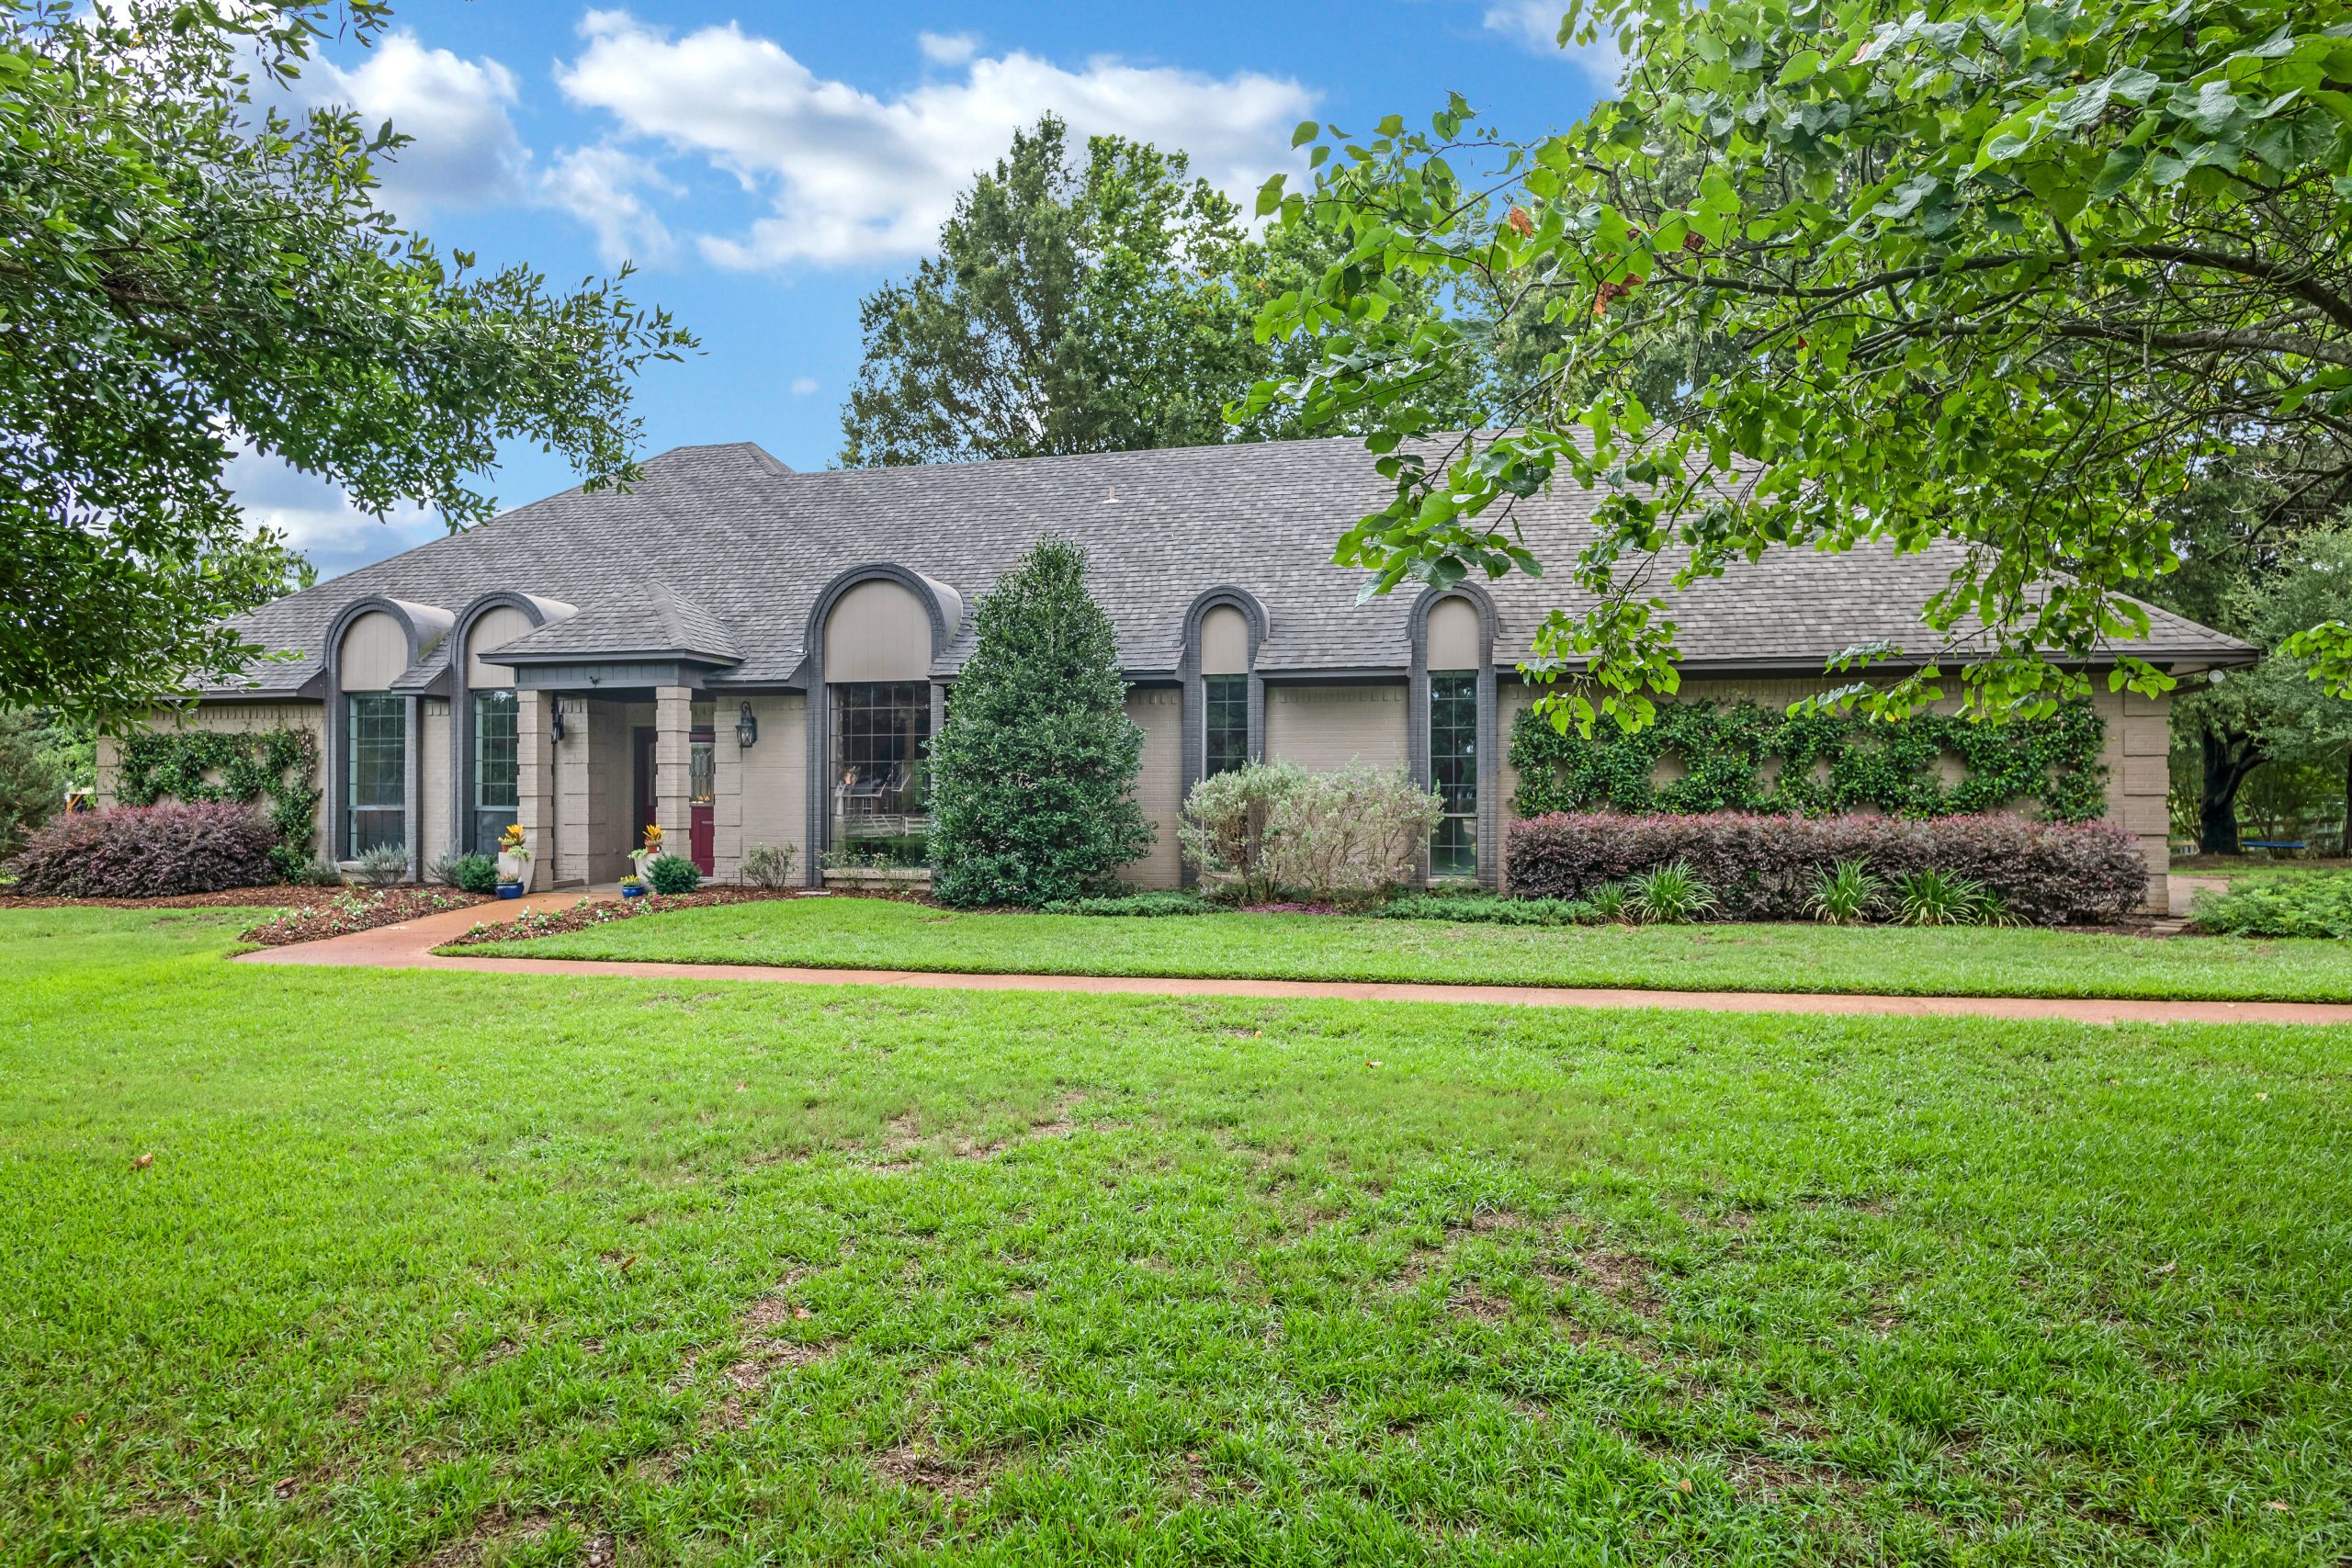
x: 144, y: 851
x: 1765, y: 868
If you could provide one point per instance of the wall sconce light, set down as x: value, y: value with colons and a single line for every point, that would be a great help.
x: 747, y: 727
x: 556, y: 720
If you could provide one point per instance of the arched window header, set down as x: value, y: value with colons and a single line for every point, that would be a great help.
x: 940, y: 606
x: 392, y: 637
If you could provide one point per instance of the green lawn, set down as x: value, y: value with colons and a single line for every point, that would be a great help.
x: 465, y: 1268
x: 837, y: 933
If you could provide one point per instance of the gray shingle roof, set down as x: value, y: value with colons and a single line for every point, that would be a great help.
x: 719, y: 552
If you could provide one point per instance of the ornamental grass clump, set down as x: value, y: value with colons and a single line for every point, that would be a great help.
x: 1846, y: 894
x: 1933, y: 898
x: 1669, y: 895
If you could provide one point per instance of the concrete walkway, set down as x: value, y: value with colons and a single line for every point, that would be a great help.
x: 408, y: 946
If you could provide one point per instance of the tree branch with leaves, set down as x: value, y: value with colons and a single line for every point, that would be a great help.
x: 2004, y: 277
x: 188, y: 270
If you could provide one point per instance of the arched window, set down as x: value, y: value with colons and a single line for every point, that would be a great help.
x: 876, y: 632
x: 372, y: 655
x: 1225, y: 690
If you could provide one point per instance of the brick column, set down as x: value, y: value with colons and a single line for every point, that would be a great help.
x: 674, y: 723
x: 535, y: 787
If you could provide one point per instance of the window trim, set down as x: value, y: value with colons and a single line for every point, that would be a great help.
x: 1488, y: 817
x: 358, y: 705
x: 475, y: 774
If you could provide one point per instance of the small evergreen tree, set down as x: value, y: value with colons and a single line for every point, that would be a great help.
x: 1032, y: 777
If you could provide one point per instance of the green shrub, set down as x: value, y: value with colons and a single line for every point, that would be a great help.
x: 1669, y: 895
x: 1344, y: 837
x: 2314, y: 906
x: 476, y: 873
x: 767, y: 865
x: 383, y: 865
x: 1933, y: 898
x: 673, y: 875
x: 1140, y: 905
x: 1846, y: 894
x: 1223, y: 830
x: 1033, y: 775
x: 1488, y: 908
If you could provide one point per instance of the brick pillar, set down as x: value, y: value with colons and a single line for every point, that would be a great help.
x: 535, y: 788
x: 674, y: 723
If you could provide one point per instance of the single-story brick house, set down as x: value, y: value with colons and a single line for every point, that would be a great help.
x: 749, y: 655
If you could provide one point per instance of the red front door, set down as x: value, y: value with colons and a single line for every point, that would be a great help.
x: 701, y: 756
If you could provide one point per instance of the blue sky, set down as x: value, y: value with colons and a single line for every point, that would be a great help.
x: 765, y: 166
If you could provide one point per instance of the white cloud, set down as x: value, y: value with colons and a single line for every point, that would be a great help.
x: 1536, y: 25
x: 803, y: 386
x: 948, y: 49
x: 854, y: 178
x: 603, y: 186
x: 465, y: 153
x: 319, y: 520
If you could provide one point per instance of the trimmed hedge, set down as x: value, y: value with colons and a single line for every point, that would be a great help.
x: 1766, y: 868
x: 147, y: 852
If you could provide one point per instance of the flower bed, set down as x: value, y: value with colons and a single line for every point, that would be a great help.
x: 589, y: 912
x: 350, y: 912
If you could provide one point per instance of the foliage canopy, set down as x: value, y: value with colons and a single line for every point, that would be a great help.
x: 1096, y: 306
x: 2000, y: 276
x: 186, y: 269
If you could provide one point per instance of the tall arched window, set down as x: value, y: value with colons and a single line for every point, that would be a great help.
x: 1453, y: 641
x: 373, y: 654
x: 878, y: 688
x: 1225, y: 690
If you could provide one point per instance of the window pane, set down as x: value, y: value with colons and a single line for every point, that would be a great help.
x: 497, y: 768
x: 377, y: 770
x: 1226, y: 703
x: 881, y: 737
x: 1454, y: 772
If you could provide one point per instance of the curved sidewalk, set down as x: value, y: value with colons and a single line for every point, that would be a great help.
x: 408, y: 946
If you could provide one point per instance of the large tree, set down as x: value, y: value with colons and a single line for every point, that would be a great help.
x: 2004, y: 275
x: 1033, y: 778
x: 186, y: 270
x: 2274, y: 712
x: 1093, y: 306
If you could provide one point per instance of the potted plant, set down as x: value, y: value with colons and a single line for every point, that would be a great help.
x: 641, y: 860
x: 632, y: 887
x: 513, y: 862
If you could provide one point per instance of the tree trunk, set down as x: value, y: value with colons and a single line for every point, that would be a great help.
x: 2228, y: 760
x: 2346, y: 847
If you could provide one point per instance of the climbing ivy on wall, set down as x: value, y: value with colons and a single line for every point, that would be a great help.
x: 1745, y: 759
x: 282, y: 764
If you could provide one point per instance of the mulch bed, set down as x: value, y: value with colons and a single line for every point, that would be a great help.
x: 357, y: 911
x: 272, y: 897
x: 586, y: 913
